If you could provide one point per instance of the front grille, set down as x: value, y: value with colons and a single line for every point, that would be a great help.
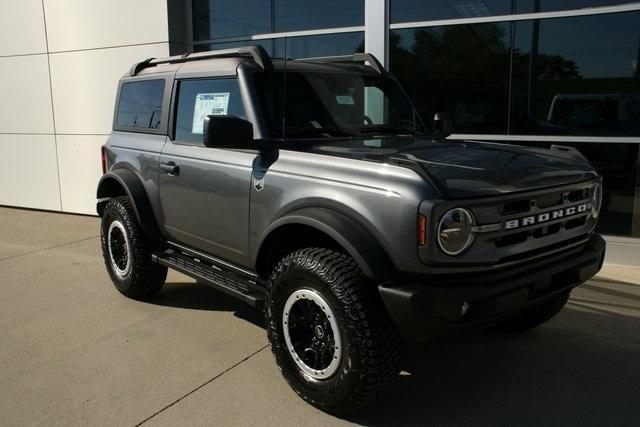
x: 521, y: 225
x: 539, y: 204
x: 544, y: 201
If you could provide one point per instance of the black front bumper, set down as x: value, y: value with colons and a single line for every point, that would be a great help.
x: 434, y: 306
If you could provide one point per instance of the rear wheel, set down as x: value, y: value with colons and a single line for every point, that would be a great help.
x: 127, y: 250
x: 329, y: 331
x: 535, y: 316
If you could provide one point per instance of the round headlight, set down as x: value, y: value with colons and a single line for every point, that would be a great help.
x: 455, y: 231
x: 596, y: 201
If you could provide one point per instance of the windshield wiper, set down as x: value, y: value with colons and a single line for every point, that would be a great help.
x: 389, y: 129
x: 314, y: 132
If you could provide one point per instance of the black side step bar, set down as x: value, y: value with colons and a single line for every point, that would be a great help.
x: 226, y: 281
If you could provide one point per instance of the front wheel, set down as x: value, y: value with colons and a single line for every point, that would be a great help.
x: 329, y: 331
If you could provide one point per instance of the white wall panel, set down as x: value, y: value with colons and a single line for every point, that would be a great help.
x: 84, y: 85
x: 25, y: 104
x: 29, y: 174
x: 80, y: 170
x: 21, y: 27
x: 88, y: 24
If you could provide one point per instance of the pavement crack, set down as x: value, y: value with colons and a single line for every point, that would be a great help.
x: 202, y: 385
x: 46, y: 249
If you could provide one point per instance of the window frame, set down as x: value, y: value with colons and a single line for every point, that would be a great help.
x: 164, y: 114
x: 173, y: 113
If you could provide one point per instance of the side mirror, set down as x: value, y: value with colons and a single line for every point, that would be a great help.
x: 443, y: 124
x: 227, y: 132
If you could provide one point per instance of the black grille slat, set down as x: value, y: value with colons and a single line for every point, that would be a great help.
x: 577, y: 195
x: 540, y: 204
x: 575, y: 223
x: 549, y: 200
x: 512, y: 239
x: 516, y: 207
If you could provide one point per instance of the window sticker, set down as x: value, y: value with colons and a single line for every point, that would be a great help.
x: 377, y: 143
x: 345, y: 100
x: 216, y: 104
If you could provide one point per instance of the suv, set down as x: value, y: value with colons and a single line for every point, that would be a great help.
x: 312, y: 188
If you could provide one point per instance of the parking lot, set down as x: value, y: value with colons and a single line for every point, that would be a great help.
x: 74, y: 351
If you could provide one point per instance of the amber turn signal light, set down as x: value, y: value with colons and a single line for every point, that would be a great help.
x: 422, y: 230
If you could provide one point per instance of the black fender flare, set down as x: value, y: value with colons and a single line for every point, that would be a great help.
x: 348, y: 233
x: 121, y: 182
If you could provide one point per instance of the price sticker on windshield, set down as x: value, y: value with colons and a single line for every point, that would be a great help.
x: 345, y: 100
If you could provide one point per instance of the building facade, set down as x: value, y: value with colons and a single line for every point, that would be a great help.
x: 532, y: 72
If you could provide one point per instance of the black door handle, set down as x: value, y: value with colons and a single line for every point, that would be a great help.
x: 170, y: 168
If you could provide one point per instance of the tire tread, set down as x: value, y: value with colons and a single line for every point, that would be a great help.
x: 380, y: 346
x: 146, y: 277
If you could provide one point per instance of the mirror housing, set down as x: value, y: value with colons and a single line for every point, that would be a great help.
x: 227, y: 132
x: 443, y: 124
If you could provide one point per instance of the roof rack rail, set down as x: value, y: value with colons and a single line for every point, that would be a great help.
x: 356, y: 57
x: 258, y: 53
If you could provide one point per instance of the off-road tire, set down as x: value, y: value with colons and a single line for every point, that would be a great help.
x: 372, y: 349
x: 144, y: 277
x: 535, y: 316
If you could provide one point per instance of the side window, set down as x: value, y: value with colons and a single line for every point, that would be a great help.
x: 140, y: 104
x: 199, y: 98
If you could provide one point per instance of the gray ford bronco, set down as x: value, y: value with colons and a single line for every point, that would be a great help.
x: 312, y: 188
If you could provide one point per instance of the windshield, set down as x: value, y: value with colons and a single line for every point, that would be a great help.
x: 334, y: 104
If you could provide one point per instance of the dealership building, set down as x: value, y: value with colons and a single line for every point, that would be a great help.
x: 530, y: 72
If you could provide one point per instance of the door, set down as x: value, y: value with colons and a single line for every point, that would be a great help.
x: 204, y: 192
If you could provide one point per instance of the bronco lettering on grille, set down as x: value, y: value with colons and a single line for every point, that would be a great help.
x: 547, y: 216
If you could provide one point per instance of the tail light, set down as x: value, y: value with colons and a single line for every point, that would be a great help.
x: 422, y: 230
x: 103, y: 153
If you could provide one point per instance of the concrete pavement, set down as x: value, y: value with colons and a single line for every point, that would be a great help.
x: 74, y: 351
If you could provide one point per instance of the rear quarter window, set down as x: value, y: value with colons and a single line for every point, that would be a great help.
x: 140, y: 104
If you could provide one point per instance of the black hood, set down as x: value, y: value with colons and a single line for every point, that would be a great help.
x: 465, y: 169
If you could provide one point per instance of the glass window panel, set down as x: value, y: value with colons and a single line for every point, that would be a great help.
x: 431, y: 10
x: 460, y: 69
x: 296, y: 15
x: 140, y: 104
x: 268, y: 44
x: 302, y: 47
x: 197, y: 98
x: 578, y: 76
x: 618, y: 164
x: 230, y: 18
x: 375, y: 105
x: 322, y: 45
